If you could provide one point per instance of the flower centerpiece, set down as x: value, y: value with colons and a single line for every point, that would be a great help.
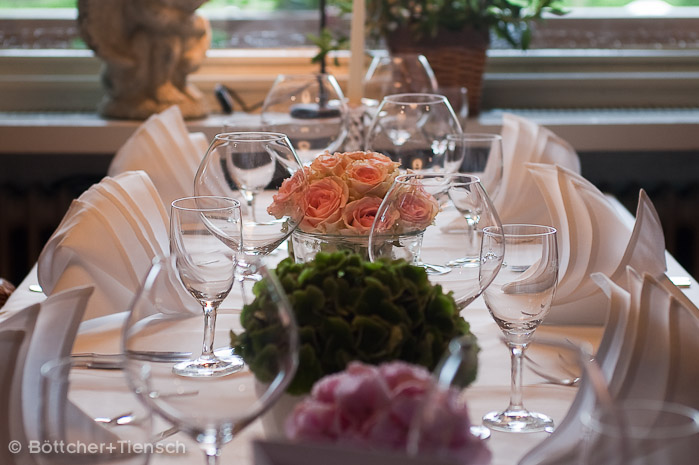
x: 348, y: 309
x: 344, y: 194
x: 379, y: 407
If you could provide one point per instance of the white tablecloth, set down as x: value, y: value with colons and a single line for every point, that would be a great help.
x: 489, y: 392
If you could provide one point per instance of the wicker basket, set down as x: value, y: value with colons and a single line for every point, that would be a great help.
x: 457, y: 58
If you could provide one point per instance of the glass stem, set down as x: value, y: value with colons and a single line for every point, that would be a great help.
x: 212, y: 455
x: 207, y: 350
x: 250, y: 199
x: 516, y: 356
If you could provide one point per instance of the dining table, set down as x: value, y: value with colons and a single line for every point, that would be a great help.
x: 490, y: 391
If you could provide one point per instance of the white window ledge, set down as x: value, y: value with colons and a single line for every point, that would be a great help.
x: 586, y: 130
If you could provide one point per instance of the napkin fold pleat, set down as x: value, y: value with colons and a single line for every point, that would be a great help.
x: 16, y: 333
x: 107, y: 239
x: 646, y: 353
x: 166, y: 151
x: 593, y: 238
x: 518, y: 199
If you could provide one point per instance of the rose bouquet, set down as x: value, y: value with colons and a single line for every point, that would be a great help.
x: 344, y: 193
x: 381, y: 407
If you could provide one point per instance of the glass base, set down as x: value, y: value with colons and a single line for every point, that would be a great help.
x: 207, y: 367
x: 518, y: 421
x: 480, y: 431
x: 464, y: 262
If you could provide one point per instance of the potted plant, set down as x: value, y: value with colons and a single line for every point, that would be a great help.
x: 454, y: 35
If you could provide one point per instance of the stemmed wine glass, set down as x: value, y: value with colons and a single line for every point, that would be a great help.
x: 481, y: 155
x: 212, y: 410
x: 412, y: 129
x: 310, y: 109
x: 256, y: 168
x: 518, y: 300
x: 410, y: 224
x: 205, y: 233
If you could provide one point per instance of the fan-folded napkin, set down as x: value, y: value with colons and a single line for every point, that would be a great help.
x: 518, y: 200
x: 163, y: 148
x: 108, y: 238
x: 593, y: 238
x: 647, y: 352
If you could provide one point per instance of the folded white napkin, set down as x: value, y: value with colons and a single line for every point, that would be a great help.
x: 518, y: 200
x: 54, y: 333
x: 108, y: 238
x: 163, y: 148
x: 15, y: 335
x: 593, y: 238
x: 646, y: 352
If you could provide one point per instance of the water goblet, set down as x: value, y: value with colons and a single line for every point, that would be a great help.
x: 640, y: 432
x: 398, y: 73
x: 412, y: 129
x: 91, y: 417
x: 214, y: 409
x: 518, y: 300
x: 310, y: 109
x: 426, y: 206
x: 256, y: 168
x: 205, y: 232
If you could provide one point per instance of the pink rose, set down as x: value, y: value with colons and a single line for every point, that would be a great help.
x: 376, y: 407
x: 326, y: 198
x: 359, y: 215
x: 290, y: 199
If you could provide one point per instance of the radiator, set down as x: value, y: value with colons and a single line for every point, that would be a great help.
x: 30, y: 215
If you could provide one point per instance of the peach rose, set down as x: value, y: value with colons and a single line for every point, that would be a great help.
x: 326, y: 198
x: 375, y: 157
x: 327, y: 164
x: 359, y: 215
x: 416, y: 208
x: 290, y: 199
x: 367, y: 178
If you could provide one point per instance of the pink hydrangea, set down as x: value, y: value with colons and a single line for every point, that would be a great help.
x: 377, y: 406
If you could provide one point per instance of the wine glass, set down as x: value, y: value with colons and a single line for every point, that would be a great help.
x: 310, y: 109
x: 91, y: 417
x: 642, y: 432
x: 481, y: 155
x: 258, y: 168
x: 205, y: 232
x: 518, y: 300
x: 212, y: 410
x: 397, y: 73
x: 447, y: 212
x: 412, y: 129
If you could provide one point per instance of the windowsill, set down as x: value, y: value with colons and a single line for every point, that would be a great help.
x: 587, y: 130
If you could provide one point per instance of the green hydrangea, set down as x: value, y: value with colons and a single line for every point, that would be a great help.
x: 351, y: 309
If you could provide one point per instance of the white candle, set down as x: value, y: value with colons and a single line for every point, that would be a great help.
x: 356, y: 64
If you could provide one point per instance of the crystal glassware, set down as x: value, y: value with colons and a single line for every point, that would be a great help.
x: 310, y: 109
x: 211, y: 410
x: 481, y: 155
x: 450, y: 212
x: 91, y: 417
x: 398, y: 73
x: 205, y: 232
x: 640, y: 432
x: 412, y: 129
x: 252, y: 167
x: 518, y: 300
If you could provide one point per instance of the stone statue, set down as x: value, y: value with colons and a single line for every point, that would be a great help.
x: 148, y: 48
